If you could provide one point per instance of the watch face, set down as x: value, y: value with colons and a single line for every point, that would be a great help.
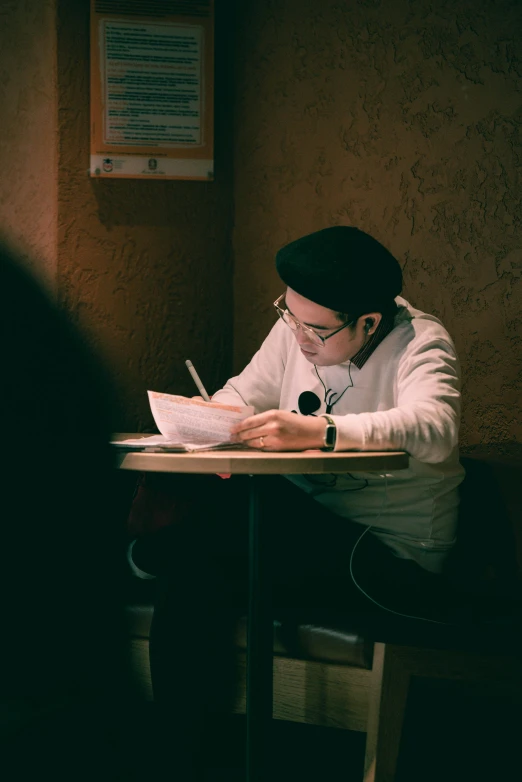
x: 330, y: 436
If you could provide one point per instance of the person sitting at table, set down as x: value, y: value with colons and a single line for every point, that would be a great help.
x: 349, y: 364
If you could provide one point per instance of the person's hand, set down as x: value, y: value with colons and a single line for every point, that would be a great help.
x: 280, y: 430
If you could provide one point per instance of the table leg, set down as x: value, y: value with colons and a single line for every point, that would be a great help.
x: 259, y: 645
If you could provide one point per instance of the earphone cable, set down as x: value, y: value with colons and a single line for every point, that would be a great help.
x: 385, y: 608
x: 328, y: 400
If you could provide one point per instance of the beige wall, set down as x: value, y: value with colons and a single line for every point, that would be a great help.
x: 403, y: 118
x: 28, y: 131
x: 145, y: 266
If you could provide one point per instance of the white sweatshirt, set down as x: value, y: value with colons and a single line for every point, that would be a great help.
x: 405, y: 397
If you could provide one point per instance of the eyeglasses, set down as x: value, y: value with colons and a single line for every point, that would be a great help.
x: 308, y: 332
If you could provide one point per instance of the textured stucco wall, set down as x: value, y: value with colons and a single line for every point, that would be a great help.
x: 28, y: 131
x: 403, y: 118
x: 144, y: 266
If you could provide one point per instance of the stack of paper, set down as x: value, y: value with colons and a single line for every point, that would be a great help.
x: 188, y: 425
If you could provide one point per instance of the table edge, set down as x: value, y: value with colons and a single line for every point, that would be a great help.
x: 284, y: 463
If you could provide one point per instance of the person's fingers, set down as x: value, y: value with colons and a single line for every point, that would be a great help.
x: 250, y: 434
x: 254, y: 421
x: 259, y: 440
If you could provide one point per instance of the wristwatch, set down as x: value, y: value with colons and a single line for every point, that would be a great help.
x: 330, y: 434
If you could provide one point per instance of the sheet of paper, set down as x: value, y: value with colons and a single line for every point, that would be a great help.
x: 149, y: 441
x: 157, y: 443
x: 194, y: 422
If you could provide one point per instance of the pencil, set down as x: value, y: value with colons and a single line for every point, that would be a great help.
x: 197, y: 380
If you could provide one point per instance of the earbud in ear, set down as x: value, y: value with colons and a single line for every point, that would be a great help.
x: 367, y: 325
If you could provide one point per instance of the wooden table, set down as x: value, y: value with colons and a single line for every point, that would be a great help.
x: 260, y: 633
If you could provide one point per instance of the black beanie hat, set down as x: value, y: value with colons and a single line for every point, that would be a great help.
x: 341, y: 268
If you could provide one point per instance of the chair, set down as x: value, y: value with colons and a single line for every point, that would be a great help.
x: 358, y: 678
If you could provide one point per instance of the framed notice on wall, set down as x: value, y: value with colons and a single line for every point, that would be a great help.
x: 152, y: 89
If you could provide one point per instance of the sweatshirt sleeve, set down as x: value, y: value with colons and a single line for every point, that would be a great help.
x: 259, y: 384
x: 426, y: 420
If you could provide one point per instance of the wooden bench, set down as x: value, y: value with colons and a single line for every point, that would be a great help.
x: 358, y: 678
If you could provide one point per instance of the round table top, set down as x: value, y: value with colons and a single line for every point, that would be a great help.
x: 253, y: 462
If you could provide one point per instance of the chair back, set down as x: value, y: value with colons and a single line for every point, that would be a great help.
x: 488, y: 555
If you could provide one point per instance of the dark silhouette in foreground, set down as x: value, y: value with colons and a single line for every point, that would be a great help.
x: 64, y: 689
